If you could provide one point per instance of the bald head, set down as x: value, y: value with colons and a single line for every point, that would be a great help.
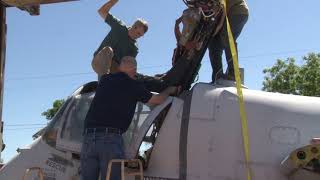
x: 128, y: 65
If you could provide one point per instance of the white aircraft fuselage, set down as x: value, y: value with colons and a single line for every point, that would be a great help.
x: 197, y: 136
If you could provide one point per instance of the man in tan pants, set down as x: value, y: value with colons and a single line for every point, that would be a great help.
x: 120, y: 41
x: 102, y: 62
x: 238, y: 13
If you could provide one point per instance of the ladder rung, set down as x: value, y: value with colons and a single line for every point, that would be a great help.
x: 126, y: 171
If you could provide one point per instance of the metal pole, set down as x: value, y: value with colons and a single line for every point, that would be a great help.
x: 3, y: 33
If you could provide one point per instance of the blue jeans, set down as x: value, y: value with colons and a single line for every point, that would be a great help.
x: 97, y: 150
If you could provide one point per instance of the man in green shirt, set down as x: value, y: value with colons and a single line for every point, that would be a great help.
x: 238, y: 13
x: 120, y: 41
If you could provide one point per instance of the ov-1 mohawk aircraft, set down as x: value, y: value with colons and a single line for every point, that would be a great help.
x: 194, y: 136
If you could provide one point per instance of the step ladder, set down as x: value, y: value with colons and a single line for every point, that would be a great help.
x: 126, y: 171
x: 29, y: 170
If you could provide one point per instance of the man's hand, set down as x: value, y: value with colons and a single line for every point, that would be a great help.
x: 177, y: 32
x: 221, y: 21
x: 172, y: 90
x: 161, y: 97
x: 178, y: 21
x: 104, y: 10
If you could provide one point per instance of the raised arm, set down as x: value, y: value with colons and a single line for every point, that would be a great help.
x: 104, y: 10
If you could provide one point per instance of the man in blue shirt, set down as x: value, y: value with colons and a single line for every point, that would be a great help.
x: 110, y: 115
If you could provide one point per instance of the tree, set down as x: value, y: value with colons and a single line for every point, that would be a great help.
x: 289, y: 78
x: 49, y: 114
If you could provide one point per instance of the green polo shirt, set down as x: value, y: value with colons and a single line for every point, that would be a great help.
x: 119, y: 40
x: 237, y: 7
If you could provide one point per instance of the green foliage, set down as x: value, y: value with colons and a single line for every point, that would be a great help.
x: 289, y: 78
x: 49, y: 114
x: 309, y: 79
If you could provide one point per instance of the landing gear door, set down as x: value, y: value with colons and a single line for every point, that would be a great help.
x: 69, y: 135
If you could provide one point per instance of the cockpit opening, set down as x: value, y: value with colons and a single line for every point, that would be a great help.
x: 65, y: 130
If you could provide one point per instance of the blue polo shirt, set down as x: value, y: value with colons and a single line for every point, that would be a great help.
x: 115, y: 102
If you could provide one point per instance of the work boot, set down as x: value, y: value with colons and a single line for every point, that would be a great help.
x: 102, y: 61
x: 217, y: 76
x: 230, y: 75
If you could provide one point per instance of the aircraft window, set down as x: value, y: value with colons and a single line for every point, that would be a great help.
x: 141, y: 113
x: 51, y: 131
x: 143, y: 131
x: 150, y: 137
x: 50, y: 134
x: 73, y: 127
x: 146, y: 148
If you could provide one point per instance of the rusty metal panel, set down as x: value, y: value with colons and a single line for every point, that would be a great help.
x: 2, y: 61
x: 31, y: 6
x: 22, y: 3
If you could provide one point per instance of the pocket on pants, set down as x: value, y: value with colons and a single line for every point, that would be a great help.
x: 86, y: 149
x: 83, y: 153
x: 117, y: 150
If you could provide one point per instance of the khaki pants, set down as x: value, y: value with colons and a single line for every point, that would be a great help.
x: 102, y: 62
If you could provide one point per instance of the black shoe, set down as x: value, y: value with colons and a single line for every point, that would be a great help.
x: 217, y: 76
x: 230, y: 77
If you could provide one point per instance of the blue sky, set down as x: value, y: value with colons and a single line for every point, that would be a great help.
x: 49, y: 56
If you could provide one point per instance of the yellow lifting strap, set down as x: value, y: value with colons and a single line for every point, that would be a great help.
x: 243, y: 115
